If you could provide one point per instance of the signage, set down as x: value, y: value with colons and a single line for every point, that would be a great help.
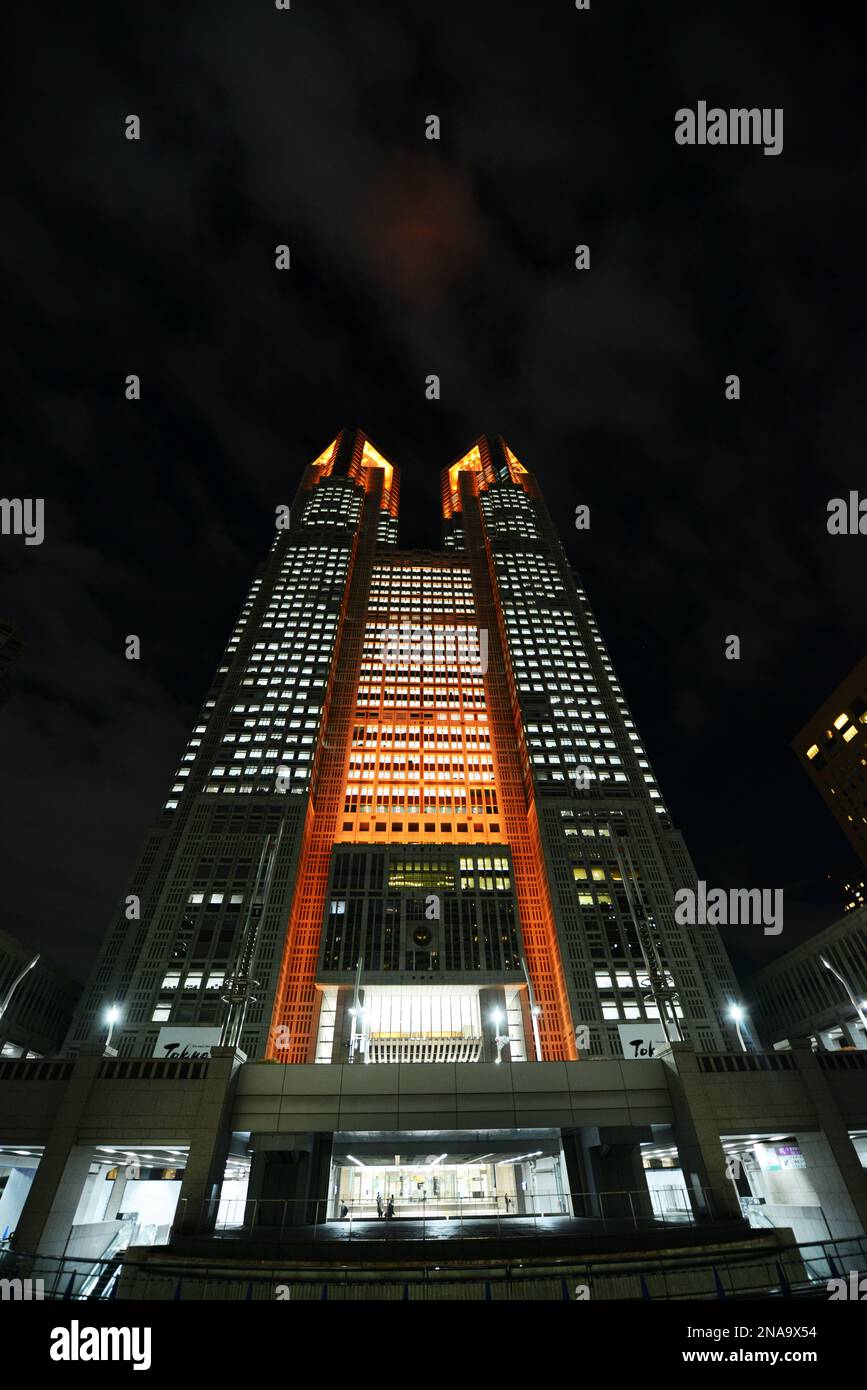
x: 641, y: 1039
x: 790, y: 1156
x: 186, y: 1042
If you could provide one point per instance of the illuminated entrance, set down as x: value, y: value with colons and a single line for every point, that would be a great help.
x: 448, y: 1174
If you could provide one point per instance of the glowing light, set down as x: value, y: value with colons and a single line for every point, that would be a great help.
x: 326, y: 456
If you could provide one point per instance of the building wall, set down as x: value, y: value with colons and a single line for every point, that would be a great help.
x: 796, y: 996
x: 572, y: 716
x: 41, y: 1008
x: 832, y: 749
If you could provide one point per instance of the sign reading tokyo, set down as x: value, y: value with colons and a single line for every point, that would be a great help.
x: 186, y: 1042
x: 640, y: 1039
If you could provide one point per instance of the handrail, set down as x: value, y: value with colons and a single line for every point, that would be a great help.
x: 333, y: 1218
x: 779, y: 1264
x: 92, y: 1279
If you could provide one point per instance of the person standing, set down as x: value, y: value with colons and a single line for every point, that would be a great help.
x: 389, y: 1210
x: 379, y: 1206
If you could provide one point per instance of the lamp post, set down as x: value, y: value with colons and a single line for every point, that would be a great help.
x: 6, y: 1000
x: 736, y: 1014
x: 836, y: 973
x: 535, y: 1012
x: 358, y: 1039
x: 501, y: 1039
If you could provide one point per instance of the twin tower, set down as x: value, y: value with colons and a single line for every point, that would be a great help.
x: 415, y: 820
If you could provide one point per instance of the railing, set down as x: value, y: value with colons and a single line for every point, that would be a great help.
x: 787, y: 1272
x: 90, y: 1278
x: 541, y: 1213
x: 843, y: 1061
x: 34, y: 1069
x: 745, y: 1061
x: 152, y: 1069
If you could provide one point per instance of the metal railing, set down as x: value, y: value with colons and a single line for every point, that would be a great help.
x: 433, y: 1218
x: 729, y: 1273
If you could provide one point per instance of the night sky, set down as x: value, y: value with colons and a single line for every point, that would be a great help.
x: 411, y: 257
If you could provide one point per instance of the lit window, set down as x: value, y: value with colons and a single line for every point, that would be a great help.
x: 812, y: 751
x: 841, y: 720
x: 850, y: 733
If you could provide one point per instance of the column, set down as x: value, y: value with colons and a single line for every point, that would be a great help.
x: 210, y: 1136
x: 712, y: 1194
x: 46, y: 1218
x: 853, y: 1176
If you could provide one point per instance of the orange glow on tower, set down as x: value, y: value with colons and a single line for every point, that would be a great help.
x: 420, y: 766
x: 420, y: 742
x: 325, y: 461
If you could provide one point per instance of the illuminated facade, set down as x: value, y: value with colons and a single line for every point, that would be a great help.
x: 832, y: 749
x: 415, y: 821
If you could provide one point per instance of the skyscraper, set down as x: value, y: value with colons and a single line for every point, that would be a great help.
x: 415, y: 820
x: 832, y: 749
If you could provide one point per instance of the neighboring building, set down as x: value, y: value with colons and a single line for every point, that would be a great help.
x: 832, y: 748
x: 11, y: 646
x: 40, y: 1011
x: 854, y: 895
x: 415, y: 820
x: 797, y: 996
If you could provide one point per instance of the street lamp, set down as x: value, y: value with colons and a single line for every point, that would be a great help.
x: 859, y: 1008
x: 7, y: 998
x: 737, y: 1015
x: 535, y: 1011
x: 111, y: 1019
x: 501, y: 1039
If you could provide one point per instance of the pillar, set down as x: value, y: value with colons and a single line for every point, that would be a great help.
x: 210, y: 1136
x: 118, y: 1188
x: 46, y: 1219
x: 712, y: 1194
x: 615, y: 1171
x: 289, y: 1178
x: 577, y: 1185
x: 853, y: 1177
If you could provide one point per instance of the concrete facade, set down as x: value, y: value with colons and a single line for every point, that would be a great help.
x: 602, y: 1108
